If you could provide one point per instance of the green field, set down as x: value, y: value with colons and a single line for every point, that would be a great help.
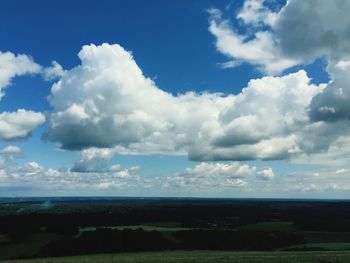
x: 322, y: 237
x: 325, y: 246
x: 134, y: 227
x: 202, y: 257
x: 28, y: 247
x: 3, y: 238
x: 278, y: 226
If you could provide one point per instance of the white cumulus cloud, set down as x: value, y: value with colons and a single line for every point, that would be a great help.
x: 261, y: 49
x: 106, y: 102
x: 19, y: 124
x: 54, y: 71
x: 11, y: 150
x: 12, y: 65
x: 266, y: 174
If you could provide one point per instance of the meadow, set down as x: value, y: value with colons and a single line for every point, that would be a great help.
x: 200, y: 257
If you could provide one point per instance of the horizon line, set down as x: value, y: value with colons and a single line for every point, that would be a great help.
x: 179, y: 197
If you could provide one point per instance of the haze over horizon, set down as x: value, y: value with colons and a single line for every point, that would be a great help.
x: 175, y: 98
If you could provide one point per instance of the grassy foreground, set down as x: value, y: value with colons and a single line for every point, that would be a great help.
x: 201, y: 257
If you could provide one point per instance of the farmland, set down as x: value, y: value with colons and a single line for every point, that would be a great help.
x: 142, y: 230
x: 201, y: 257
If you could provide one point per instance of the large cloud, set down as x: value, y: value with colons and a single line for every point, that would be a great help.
x: 106, y: 102
x: 265, y: 121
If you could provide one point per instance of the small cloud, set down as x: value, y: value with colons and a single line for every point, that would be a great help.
x: 19, y: 124
x: 33, y: 166
x: 304, y: 174
x: 230, y: 64
x: 116, y: 168
x: 12, y: 65
x: 11, y: 150
x: 266, y: 174
x: 134, y: 169
x: 326, y: 109
x: 340, y: 171
x: 53, y: 72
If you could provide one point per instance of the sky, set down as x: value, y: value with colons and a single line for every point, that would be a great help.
x: 200, y: 98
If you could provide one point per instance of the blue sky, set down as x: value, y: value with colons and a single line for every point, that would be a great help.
x: 179, y: 98
x: 164, y: 36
